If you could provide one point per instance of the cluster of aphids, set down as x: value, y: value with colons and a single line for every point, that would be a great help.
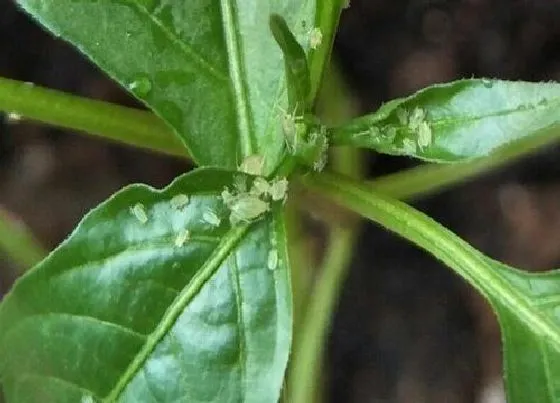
x: 417, y: 123
x: 306, y: 139
x: 247, y: 203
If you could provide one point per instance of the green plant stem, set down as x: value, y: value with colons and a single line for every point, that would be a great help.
x: 309, y: 348
x: 335, y: 105
x: 328, y: 14
x: 18, y: 243
x: 126, y: 125
x: 429, y: 178
x: 411, y: 224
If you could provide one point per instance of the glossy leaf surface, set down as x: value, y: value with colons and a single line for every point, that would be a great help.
x: 458, y: 121
x: 528, y: 305
x: 295, y: 61
x: 131, y: 309
x: 209, y: 68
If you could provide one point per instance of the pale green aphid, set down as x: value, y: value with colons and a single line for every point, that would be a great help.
x: 240, y: 183
x: 416, y: 118
x: 227, y: 197
x: 139, y: 212
x: 402, y: 116
x: 278, y: 189
x: 408, y: 146
x: 87, y: 399
x: 13, y: 117
x: 179, y: 201
x: 315, y: 38
x: 182, y: 237
x: 211, y: 218
x: 290, y: 126
x: 424, y: 135
x: 272, y: 261
x: 246, y: 208
x: 260, y: 187
x: 253, y: 165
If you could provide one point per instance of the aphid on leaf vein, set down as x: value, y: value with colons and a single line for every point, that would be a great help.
x: 290, y: 126
x: 424, y: 135
x: 253, y: 165
x: 272, y: 261
x: 183, y: 237
x: 139, y: 212
x: 416, y: 118
x: 247, y: 208
x: 179, y: 201
x: 87, y: 399
x: 211, y: 218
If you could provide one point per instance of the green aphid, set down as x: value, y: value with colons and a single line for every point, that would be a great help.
x: 408, y: 146
x: 139, y: 212
x: 279, y: 189
x: 253, y: 165
x: 240, y: 183
x: 227, y: 197
x: 247, y: 208
x: 179, y: 201
x: 182, y: 238
x: 211, y: 218
x: 315, y: 38
x: 272, y: 261
x: 402, y: 116
x: 424, y: 135
x: 260, y: 187
x: 417, y: 116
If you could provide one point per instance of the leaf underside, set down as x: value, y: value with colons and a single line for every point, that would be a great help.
x: 457, y: 121
x: 209, y: 68
x: 121, y: 312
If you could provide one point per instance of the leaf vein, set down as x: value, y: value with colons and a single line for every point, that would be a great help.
x: 234, y: 271
x: 230, y: 240
x: 189, y: 51
x: 238, y: 77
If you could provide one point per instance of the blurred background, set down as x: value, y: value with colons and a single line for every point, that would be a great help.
x: 406, y: 329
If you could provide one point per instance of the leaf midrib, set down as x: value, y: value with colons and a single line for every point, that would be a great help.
x: 341, y: 133
x: 229, y: 241
x: 237, y: 77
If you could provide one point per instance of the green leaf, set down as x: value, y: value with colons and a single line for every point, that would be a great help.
x: 130, y: 309
x: 527, y: 304
x: 295, y: 62
x: 326, y: 19
x: 211, y: 69
x: 458, y: 121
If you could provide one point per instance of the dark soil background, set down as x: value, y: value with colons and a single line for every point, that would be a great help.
x: 407, y: 330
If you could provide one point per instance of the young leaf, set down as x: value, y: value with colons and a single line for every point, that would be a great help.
x: 154, y: 294
x: 527, y: 305
x: 457, y: 121
x: 210, y: 69
x: 295, y: 61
